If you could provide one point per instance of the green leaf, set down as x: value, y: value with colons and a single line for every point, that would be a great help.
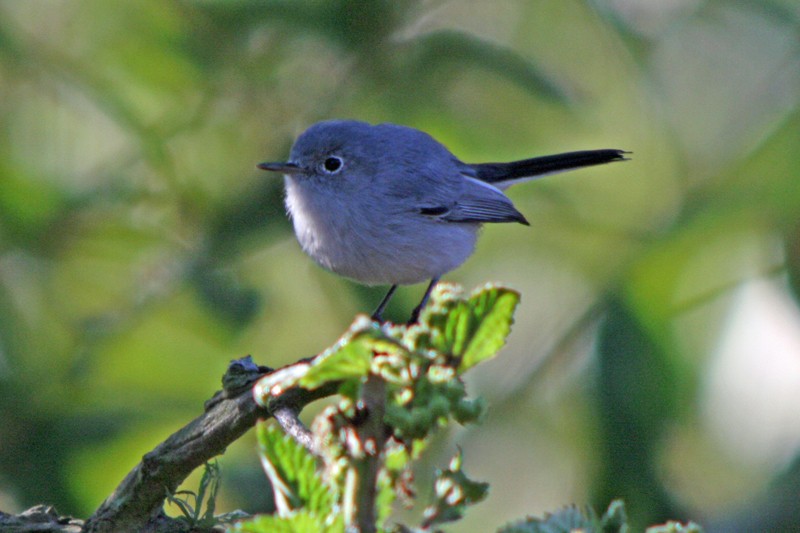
x: 615, y: 518
x: 297, y: 522
x: 351, y: 357
x: 293, y: 472
x: 570, y: 519
x: 564, y: 521
x: 494, y: 309
x: 186, y: 509
x: 192, y: 514
x: 210, y: 483
x: 473, y: 329
x: 351, y: 360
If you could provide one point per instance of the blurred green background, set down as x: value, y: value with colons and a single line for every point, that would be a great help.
x: 656, y: 353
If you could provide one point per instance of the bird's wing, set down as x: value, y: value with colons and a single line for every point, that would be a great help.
x: 478, y: 202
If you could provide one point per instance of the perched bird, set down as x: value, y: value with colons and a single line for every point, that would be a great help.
x: 389, y: 205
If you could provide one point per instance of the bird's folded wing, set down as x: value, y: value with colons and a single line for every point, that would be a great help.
x: 478, y: 202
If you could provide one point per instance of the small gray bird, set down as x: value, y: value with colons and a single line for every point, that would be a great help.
x: 390, y: 205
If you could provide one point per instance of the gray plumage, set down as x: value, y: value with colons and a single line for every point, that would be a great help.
x: 389, y: 204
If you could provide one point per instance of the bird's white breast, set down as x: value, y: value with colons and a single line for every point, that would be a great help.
x: 363, y: 242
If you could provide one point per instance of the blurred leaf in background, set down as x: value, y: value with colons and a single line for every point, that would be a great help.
x: 656, y: 353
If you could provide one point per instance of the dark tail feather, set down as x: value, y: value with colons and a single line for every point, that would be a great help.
x: 548, y: 164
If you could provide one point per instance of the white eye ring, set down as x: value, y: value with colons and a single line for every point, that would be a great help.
x: 332, y: 164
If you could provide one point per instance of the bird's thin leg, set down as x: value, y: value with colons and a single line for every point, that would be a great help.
x: 418, y: 309
x: 377, y: 315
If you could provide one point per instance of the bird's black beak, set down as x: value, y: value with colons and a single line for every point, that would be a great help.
x: 285, y: 168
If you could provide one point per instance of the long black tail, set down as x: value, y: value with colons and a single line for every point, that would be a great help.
x: 497, y: 173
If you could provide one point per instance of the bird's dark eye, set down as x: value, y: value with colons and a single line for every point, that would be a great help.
x: 332, y: 164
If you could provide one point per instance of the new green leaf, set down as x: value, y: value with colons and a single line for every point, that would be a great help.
x: 352, y: 357
x: 293, y: 473
x: 297, y: 522
x: 471, y: 330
